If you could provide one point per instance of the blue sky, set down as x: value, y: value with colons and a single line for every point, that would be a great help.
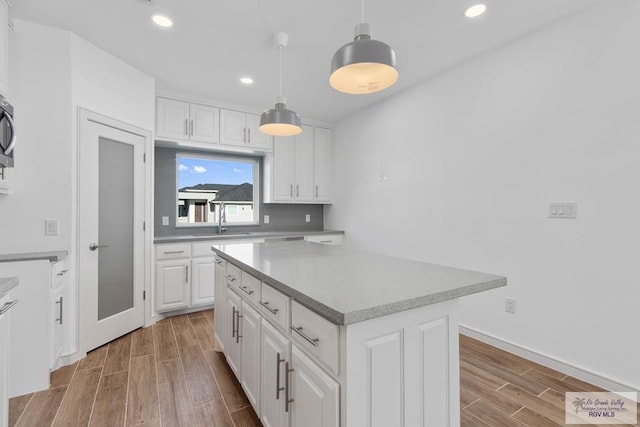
x: 193, y: 171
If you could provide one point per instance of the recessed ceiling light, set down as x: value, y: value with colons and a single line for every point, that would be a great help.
x: 162, y: 21
x: 475, y: 10
x: 246, y: 80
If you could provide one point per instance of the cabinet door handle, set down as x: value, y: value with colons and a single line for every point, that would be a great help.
x: 7, y: 306
x: 313, y: 341
x: 62, y: 272
x: 297, y: 190
x: 186, y: 127
x: 230, y: 278
x: 273, y: 311
x: 316, y: 191
x: 244, y: 135
x: 278, y: 388
x: 238, y: 336
x: 249, y: 133
x: 59, y: 319
x: 291, y: 191
x: 233, y: 322
x: 173, y: 252
x: 191, y: 127
x: 186, y: 274
x: 246, y: 290
x: 287, y: 392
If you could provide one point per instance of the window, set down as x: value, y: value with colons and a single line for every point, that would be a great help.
x: 210, y: 184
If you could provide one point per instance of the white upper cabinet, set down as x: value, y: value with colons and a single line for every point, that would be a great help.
x: 300, y: 168
x: 204, y: 123
x: 182, y: 120
x: 240, y: 129
x: 5, y: 49
x: 303, y: 165
x: 322, y: 165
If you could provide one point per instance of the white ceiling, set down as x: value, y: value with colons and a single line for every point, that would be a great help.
x: 213, y: 43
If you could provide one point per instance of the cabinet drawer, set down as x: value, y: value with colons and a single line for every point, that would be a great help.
x: 201, y: 248
x: 316, y: 335
x: 274, y: 305
x: 173, y: 251
x: 249, y: 288
x: 233, y: 275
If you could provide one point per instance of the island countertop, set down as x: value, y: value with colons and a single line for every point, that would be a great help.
x: 346, y: 286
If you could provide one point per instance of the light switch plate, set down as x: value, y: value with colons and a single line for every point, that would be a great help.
x: 165, y: 220
x: 50, y: 227
x: 266, y: 219
x: 307, y: 218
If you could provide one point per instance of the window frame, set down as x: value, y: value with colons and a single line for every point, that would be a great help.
x: 255, y: 161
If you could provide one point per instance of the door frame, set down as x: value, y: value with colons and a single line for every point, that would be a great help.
x: 85, y: 116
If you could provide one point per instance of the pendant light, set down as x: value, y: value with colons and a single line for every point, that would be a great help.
x: 280, y: 121
x: 364, y: 65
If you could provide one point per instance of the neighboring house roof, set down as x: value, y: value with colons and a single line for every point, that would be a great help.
x: 225, y: 192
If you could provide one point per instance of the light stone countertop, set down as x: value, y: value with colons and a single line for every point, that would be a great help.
x: 242, y: 235
x: 346, y: 286
x: 6, y: 284
x: 52, y: 256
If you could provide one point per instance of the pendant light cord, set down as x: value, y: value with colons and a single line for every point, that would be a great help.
x: 280, y: 49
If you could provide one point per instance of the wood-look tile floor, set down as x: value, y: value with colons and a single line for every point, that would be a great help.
x: 166, y: 375
x: 171, y: 375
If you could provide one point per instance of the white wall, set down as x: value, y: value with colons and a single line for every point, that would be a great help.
x: 41, y: 187
x: 56, y: 73
x: 475, y: 155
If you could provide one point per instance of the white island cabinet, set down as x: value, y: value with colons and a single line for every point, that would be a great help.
x: 346, y: 338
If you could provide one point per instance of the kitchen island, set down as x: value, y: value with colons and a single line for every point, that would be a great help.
x: 324, y: 336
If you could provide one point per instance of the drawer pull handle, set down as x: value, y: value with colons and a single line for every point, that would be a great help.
x: 230, y: 278
x: 246, y: 290
x: 173, y: 252
x: 62, y: 272
x: 217, y: 261
x: 313, y: 341
x: 273, y: 311
x: 7, y: 306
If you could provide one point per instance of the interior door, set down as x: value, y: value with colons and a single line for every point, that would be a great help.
x: 111, y: 250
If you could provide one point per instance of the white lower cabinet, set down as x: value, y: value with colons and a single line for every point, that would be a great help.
x: 273, y: 391
x: 316, y: 396
x: 250, y: 355
x: 233, y: 346
x: 202, y: 280
x: 243, y: 346
x: 172, y: 279
x: 220, y: 303
x: 4, y: 366
x: 57, y: 319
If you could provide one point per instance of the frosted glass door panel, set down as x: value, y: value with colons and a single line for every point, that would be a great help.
x: 115, y: 228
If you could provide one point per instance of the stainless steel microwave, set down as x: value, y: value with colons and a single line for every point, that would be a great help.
x: 7, y: 134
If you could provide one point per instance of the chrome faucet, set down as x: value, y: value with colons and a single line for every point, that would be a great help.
x: 222, y: 218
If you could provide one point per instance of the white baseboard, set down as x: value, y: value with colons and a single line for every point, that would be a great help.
x: 550, y: 362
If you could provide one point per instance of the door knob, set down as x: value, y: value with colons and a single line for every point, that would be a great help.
x: 95, y: 246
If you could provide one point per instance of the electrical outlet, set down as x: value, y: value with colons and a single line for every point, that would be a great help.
x: 50, y: 227
x: 510, y: 305
x: 165, y: 220
x: 563, y: 210
x: 266, y: 219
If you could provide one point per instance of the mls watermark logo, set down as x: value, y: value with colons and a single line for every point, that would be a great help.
x: 601, y: 408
